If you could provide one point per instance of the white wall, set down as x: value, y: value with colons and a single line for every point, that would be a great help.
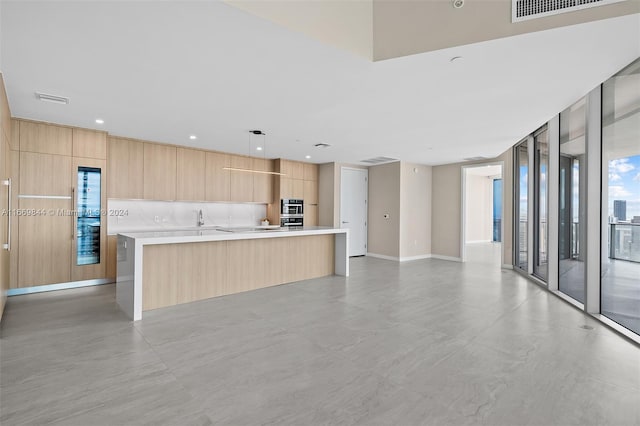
x: 143, y: 215
x: 478, y: 223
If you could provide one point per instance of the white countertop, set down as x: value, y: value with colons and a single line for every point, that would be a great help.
x: 215, y: 234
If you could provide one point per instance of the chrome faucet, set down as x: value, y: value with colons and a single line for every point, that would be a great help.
x: 200, y: 218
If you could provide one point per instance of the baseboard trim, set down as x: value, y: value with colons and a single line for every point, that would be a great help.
x: 382, y: 256
x: 507, y: 266
x: 399, y: 259
x: 449, y: 258
x: 419, y: 257
x: 59, y: 286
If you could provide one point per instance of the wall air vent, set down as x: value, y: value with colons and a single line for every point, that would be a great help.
x: 474, y: 158
x: 522, y: 10
x: 52, y: 98
x: 379, y: 160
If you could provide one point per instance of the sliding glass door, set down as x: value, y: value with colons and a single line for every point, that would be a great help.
x: 521, y: 205
x: 620, y: 253
x: 572, y: 232
x: 541, y: 231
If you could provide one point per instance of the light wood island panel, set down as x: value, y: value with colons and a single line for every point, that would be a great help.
x: 186, y: 272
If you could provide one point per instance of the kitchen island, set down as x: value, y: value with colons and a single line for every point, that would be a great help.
x: 158, y: 269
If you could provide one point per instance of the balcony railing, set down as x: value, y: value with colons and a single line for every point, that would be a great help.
x: 624, y: 241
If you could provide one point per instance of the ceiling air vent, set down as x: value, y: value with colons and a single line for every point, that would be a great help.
x: 522, y: 10
x: 52, y: 98
x: 474, y: 158
x: 379, y: 160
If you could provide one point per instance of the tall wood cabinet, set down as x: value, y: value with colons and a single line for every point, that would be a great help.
x: 299, y: 181
x: 52, y: 232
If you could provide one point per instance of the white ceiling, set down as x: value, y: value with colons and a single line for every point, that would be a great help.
x: 164, y: 70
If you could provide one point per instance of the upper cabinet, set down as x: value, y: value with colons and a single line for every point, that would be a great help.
x: 311, y: 171
x: 125, y: 168
x: 262, y: 182
x: 292, y: 169
x: 89, y: 144
x: 241, y: 182
x: 45, y: 138
x: 191, y: 174
x: 159, y: 172
x: 218, y: 182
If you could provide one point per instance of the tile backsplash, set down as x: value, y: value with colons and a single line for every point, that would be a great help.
x: 141, y: 215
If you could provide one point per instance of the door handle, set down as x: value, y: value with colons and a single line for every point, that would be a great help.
x: 7, y: 245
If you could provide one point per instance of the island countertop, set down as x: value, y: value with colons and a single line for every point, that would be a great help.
x: 203, y: 234
x: 164, y: 268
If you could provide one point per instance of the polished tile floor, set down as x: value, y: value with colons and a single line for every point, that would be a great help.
x: 424, y: 342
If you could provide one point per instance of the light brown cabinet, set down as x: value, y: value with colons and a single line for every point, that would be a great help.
x: 45, y: 174
x: 310, y: 195
x: 191, y: 174
x: 125, y: 168
x: 310, y: 215
x: 297, y: 188
x: 45, y: 242
x: 292, y: 169
x: 241, y: 182
x: 159, y: 172
x: 45, y: 138
x: 89, y: 144
x: 310, y: 171
x: 262, y: 182
x: 112, y: 256
x: 218, y: 180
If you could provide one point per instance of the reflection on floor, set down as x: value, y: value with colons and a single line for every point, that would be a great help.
x: 620, y: 296
x: 422, y: 342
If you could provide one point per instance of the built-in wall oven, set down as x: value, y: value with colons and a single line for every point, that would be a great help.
x: 291, y: 212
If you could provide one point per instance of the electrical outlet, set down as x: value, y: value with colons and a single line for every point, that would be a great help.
x: 156, y: 219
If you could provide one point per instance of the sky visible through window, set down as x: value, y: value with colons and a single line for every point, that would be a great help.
x: 624, y: 184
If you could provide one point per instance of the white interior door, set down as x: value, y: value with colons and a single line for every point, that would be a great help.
x: 353, y: 208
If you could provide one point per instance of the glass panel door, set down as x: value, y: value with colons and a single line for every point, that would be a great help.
x: 541, y: 231
x: 88, y: 216
x: 620, y: 253
x: 572, y: 231
x: 521, y: 205
x: 497, y: 210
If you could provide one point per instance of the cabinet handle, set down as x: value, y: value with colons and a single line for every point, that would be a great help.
x: 7, y: 245
x: 73, y: 219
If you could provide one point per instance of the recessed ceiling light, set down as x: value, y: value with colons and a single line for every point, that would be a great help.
x: 258, y: 148
x: 307, y: 156
x: 193, y: 137
x: 458, y: 4
x: 99, y: 121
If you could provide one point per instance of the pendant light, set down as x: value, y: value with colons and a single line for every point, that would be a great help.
x: 263, y: 148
